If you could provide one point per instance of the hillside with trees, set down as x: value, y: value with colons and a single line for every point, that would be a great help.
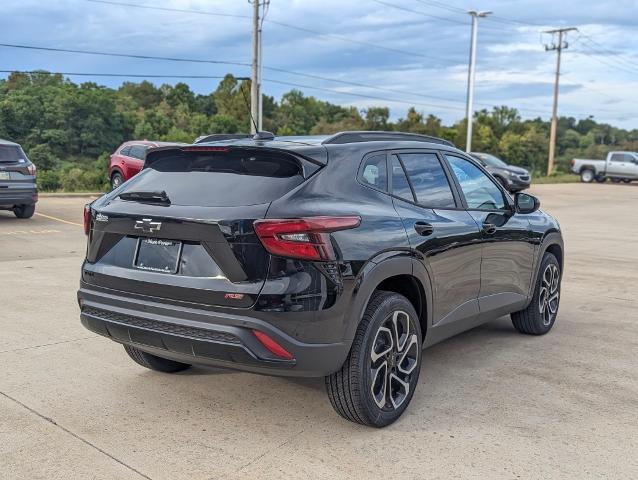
x: 69, y: 130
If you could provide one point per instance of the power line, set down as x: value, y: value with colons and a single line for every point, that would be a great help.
x: 124, y: 55
x: 243, y: 64
x: 275, y: 22
x: 131, y: 75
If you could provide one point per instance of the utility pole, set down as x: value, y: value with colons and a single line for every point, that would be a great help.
x: 559, y: 46
x: 254, y: 81
x: 469, y: 112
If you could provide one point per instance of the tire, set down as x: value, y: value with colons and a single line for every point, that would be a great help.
x: 24, y: 211
x: 626, y: 180
x: 587, y: 175
x: 359, y: 392
x: 153, y: 362
x: 116, y: 180
x: 600, y: 179
x: 539, y: 316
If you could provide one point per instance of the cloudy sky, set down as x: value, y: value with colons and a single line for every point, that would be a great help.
x: 413, y: 52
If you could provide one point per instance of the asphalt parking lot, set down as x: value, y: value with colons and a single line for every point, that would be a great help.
x: 491, y: 403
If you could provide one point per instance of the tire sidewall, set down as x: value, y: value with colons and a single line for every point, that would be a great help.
x: 390, y: 304
x: 584, y: 178
x: 113, y: 177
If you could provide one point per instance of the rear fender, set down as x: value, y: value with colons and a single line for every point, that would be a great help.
x: 383, y: 266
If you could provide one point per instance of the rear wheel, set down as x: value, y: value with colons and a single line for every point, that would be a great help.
x: 616, y: 180
x: 587, y: 175
x: 539, y: 317
x: 626, y: 180
x: 153, y: 362
x: 600, y: 179
x: 377, y: 380
x: 116, y: 180
x: 24, y: 211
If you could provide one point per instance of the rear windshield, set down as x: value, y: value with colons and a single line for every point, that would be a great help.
x: 229, y: 178
x: 11, y: 154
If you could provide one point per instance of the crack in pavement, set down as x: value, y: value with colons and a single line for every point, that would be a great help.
x: 49, y: 344
x: 74, y: 435
x: 268, y: 452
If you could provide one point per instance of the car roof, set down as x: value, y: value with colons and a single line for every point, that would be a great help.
x: 7, y: 142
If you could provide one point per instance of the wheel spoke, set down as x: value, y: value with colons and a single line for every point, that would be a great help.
x: 398, y: 390
x: 382, y: 344
x: 401, y: 327
x: 379, y: 384
x: 552, y: 303
x: 408, y: 360
x: 542, y: 299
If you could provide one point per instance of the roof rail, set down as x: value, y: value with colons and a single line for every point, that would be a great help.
x: 363, y: 136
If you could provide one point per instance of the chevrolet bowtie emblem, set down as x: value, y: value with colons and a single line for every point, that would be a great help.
x: 147, y: 225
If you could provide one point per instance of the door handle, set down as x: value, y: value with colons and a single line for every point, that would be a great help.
x: 423, y: 228
x: 489, y: 228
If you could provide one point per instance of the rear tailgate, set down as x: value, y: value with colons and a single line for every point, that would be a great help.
x: 16, y: 183
x: 199, y: 245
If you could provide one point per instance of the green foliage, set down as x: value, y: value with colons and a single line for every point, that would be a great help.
x: 69, y: 130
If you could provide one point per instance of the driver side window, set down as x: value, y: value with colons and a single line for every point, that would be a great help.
x: 480, y: 192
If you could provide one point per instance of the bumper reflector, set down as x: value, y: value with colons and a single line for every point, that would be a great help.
x: 272, y: 346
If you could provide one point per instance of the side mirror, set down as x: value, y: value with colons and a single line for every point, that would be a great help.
x: 526, y: 203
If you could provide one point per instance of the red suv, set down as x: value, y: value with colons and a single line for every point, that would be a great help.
x: 128, y: 160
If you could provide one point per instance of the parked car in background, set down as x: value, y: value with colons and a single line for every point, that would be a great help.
x: 128, y: 160
x: 340, y: 256
x: 18, y: 190
x: 618, y: 166
x: 513, y: 179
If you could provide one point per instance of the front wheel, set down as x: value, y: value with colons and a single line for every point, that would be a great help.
x: 587, y: 175
x: 616, y: 180
x: 377, y: 380
x: 600, y: 179
x: 539, y: 316
x: 626, y: 180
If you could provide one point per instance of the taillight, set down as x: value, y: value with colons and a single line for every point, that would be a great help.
x: 31, y: 169
x: 87, y: 218
x: 304, y: 238
x: 573, y: 161
x: 272, y: 346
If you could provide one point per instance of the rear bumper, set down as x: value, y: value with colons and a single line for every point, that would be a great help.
x: 203, y: 337
x: 9, y: 197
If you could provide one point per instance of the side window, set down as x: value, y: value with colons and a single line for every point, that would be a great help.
x: 617, y: 157
x: 138, y: 151
x: 428, y: 179
x: 400, y: 185
x: 126, y: 151
x: 374, y: 172
x: 480, y: 192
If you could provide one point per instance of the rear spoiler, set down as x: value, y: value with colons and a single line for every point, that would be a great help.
x: 309, y: 164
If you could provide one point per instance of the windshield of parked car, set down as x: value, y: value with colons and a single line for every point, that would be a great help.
x: 491, y: 160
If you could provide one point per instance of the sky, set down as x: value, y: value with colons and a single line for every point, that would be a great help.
x: 413, y: 52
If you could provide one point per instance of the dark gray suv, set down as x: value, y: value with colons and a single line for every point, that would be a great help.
x: 18, y: 190
x: 513, y: 179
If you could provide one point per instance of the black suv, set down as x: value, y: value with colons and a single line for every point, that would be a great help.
x: 18, y: 190
x: 340, y: 256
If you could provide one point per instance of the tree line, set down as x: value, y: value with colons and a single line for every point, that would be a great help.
x: 69, y: 130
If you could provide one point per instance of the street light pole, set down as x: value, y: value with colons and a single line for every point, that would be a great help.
x: 469, y: 112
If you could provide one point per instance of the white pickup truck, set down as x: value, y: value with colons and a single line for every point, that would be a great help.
x: 619, y: 167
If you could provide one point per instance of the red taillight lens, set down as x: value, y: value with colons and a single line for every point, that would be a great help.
x: 31, y: 169
x: 304, y: 238
x: 272, y: 346
x: 87, y: 218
